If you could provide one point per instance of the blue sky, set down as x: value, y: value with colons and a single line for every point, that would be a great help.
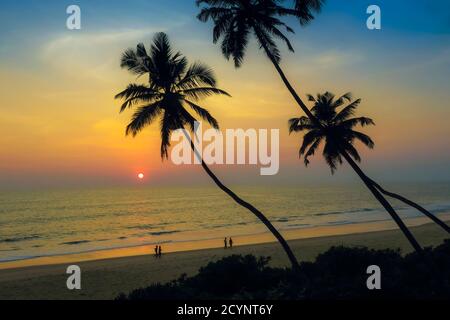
x: 400, y: 72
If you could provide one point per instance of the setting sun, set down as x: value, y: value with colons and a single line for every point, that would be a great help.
x: 141, y: 176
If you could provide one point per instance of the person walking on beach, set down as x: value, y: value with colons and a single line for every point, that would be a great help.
x: 156, y: 251
x: 231, y: 243
x: 225, y: 243
x: 159, y: 251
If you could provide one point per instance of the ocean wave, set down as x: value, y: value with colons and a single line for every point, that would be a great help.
x: 330, y: 213
x: 159, y: 233
x: 339, y: 223
x: 217, y: 226
x: 300, y: 225
x: 150, y: 226
x: 19, y: 239
x: 438, y: 208
x: 70, y: 243
x: 83, y: 241
x: 9, y: 250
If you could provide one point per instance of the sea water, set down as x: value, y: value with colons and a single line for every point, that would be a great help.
x: 52, y: 222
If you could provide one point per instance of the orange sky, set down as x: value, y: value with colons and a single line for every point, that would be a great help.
x: 60, y: 122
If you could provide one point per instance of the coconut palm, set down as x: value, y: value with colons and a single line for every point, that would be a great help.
x: 337, y: 133
x: 172, y: 93
x: 236, y: 20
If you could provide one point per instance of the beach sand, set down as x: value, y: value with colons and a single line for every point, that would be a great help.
x: 107, y: 277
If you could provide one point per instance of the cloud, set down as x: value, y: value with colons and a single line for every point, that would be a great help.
x: 93, y: 56
x: 336, y: 59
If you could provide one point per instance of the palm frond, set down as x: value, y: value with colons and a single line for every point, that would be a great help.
x: 300, y: 124
x: 203, y: 92
x: 278, y: 34
x: 198, y: 74
x: 351, y: 150
x: 143, y: 117
x: 167, y: 127
x: 363, y: 121
x: 348, y: 111
x: 309, y: 139
x: 340, y: 101
x: 332, y: 155
x: 132, y: 62
x: 364, y: 138
x: 306, y: 9
x: 235, y: 41
x: 312, y: 149
x: 204, y: 114
x: 311, y: 98
x: 136, y: 93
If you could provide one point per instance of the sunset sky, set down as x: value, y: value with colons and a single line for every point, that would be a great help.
x: 60, y: 124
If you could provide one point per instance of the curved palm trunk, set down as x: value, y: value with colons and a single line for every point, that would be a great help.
x: 412, y: 204
x: 355, y: 167
x: 248, y: 206
x: 383, y: 202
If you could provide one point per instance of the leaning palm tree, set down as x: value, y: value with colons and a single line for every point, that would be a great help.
x: 172, y: 93
x: 337, y: 132
x: 234, y: 22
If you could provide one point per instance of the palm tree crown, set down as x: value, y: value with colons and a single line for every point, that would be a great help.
x: 338, y: 128
x: 235, y: 20
x: 173, y: 85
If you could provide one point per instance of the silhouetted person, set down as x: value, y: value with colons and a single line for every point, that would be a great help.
x: 225, y: 242
x: 156, y: 251
x: 231, y: 243
x: 159, y: 251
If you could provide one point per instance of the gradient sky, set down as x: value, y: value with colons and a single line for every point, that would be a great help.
x: 60, y: 125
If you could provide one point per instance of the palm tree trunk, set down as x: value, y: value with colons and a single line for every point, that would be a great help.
x: 412, y: 204
x: 248, y: 206
x: 383, y: 202
x: 289, y: 86
x: 355, y: 167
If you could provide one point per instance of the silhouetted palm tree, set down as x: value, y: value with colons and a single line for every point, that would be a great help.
x: 234, y: 22
x: 337, y: 132
x: 173, y: 86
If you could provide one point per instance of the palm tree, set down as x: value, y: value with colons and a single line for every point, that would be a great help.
x: 338, y: 133
x: 337, y: 124
x: 234, y: 22
x: 173, y: 86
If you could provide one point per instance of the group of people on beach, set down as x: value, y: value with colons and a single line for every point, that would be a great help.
x: 228, y: 243
x: 158, y: 251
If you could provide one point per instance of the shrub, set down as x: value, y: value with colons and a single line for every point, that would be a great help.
x: 339, y: 273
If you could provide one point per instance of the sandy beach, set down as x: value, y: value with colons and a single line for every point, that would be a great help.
x: 107, y: 276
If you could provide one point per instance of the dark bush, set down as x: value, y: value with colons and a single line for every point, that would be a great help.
x: 339, y: 273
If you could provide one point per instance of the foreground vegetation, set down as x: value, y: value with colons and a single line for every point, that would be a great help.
x: 339, y: 273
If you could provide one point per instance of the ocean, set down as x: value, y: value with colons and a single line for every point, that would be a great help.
x: 55, y: 222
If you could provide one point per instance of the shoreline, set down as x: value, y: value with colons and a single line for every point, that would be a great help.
x: 105, y: 279
x: 213, y: 243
